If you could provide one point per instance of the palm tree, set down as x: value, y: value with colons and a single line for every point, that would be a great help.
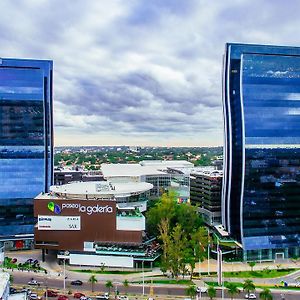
x: 191, y: 291
x: 109, y: 285
x: 251, y: 265
x: 126, y: 285
x: 232, y: 289
x: 248, y: 286
x: 93, y: 280
x: 265, y: 294
x: 211, y: 292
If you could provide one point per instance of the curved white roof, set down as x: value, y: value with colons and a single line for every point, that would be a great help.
x: 103, y: 188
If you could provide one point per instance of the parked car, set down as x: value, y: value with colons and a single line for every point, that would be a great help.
x: 34, y: 296
x: 250, y: 296
x: 14, y: 260
x: 83, y: 298
x: 123, y: 297
x: 12, y: 290
x: 76, y: 282
x: 201, y: 289
x: 62, y: 297
x: 78, y: 295
x: 103, y: 297
x: 51, y: 293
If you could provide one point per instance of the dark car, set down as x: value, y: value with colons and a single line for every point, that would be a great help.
x: 76, y: 282
x: 12, y: 290
x: 62, y: 297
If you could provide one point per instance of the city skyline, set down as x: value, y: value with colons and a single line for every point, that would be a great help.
x: 141, y: 72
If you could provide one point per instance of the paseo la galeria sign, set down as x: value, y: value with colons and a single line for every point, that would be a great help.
x: 88, y: 209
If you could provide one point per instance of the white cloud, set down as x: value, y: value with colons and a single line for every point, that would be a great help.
x: 140, y: 72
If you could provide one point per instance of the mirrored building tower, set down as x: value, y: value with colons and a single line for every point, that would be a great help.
x: 261, y: 184
x: 26, y: 145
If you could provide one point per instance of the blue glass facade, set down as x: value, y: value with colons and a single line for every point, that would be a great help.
x: 26, y: 141
x: 261, y: 187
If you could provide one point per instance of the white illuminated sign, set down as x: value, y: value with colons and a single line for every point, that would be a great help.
x: 59, y: 222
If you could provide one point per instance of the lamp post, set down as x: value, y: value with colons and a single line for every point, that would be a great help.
x: 65, y: 254
x: 143, y: 278
x: 220, y: 271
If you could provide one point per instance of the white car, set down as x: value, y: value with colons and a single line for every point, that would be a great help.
x: 33, y: 282
x: 34, y: 296
x: 250, y: 296
x: 122, y: 297
x: 103, y: 297
x: 201, y: 289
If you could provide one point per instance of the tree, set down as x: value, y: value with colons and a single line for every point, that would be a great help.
x: 126, y: 285
x: 232, y: 289
x: 265, y: 294
x: 176, y: 250
x: 102, y: 267
x: 199, y: 242
x: 163, y: 209
x: 164, y: 231
x: 109, y: 285
x: 93, y: 280
x: 211, y: 292
x: 251, y: 265
x: 248, y: 286
x: 191, y: 291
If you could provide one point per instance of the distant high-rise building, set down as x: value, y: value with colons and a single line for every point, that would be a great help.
x: 261, y: 186
x: 26, y: 144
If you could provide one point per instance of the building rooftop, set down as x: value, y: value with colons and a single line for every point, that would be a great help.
x: 210, y: 173
x: 167, y: 163
x: 4, y: 278
x: 129, y: 170
x: 18, y: 296
x: 99, y: 188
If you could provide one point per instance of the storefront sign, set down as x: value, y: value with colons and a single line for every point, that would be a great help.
x: 59, y: 222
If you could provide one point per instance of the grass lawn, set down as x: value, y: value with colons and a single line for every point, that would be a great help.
x: 108, y: 272
x: 269, y: 273
x: 167, y: 281
x: 240, y: 285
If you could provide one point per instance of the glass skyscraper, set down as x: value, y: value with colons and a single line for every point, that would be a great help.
x: 26, y: 143
x: 261, y: 183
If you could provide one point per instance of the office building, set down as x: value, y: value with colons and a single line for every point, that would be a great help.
x: 261, y: 186
x: 64, y: 176
x: 26, y: 141
x: 97, y: 223
x: 206, y: 186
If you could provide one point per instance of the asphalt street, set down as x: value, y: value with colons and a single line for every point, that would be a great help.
x: 22, y: 278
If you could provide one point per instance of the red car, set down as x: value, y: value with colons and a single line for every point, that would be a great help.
x: 62, y: 297
x: 51, y: 293
x: 78, y: 295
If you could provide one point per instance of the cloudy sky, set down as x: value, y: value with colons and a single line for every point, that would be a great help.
x: 140, y: 72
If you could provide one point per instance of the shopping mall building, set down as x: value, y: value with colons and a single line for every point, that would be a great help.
x: 95, y: 223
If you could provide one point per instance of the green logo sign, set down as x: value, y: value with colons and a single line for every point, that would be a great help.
x: 54, y: 208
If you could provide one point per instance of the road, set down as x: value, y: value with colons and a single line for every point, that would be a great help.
x: 22, y: 278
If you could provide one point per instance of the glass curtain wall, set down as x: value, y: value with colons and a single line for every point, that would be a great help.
x: 26, y: 155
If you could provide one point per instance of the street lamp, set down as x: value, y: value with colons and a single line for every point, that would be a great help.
x: 143, y: 278
x: 66, y: 253
x: 220, y: 270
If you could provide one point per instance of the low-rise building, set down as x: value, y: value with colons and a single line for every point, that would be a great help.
x: 95, y: 223
x: 157, y: 172
x: 4, y: 285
